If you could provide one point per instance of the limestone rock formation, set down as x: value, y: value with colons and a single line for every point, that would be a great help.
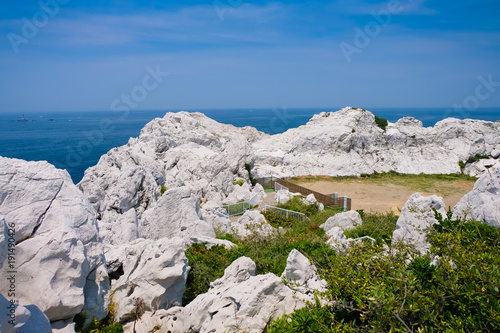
x: 483, y: 202
x: 416, y: 217
x: 181, y: 149
x: 150, y: 275
x: 346, y: 220
x: 58, y: 255
x: 349, y: 142
x: 300, y: 272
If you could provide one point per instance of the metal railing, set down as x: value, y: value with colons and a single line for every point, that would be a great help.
x: 283, y: 212
x: 235, y: 209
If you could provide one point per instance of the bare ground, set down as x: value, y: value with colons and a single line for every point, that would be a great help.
x: 385, y: 197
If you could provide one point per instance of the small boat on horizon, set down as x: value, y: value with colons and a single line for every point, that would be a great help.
x: 22, y: 120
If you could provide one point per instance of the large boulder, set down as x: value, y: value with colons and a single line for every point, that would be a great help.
x: 417, y: 216
x: 346, y: 220
x: 251, y: 222
x: 302, y: 274
x: 349, y: 142
x: 483, y: 202
x: 149, y: 274
x: 58, y: 258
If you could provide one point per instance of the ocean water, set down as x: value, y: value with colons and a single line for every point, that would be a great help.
x: 76, y: 140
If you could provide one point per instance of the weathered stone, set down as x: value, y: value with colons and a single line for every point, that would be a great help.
x: 346, y: 220
x: 417, y: 216
x: 483, y: 202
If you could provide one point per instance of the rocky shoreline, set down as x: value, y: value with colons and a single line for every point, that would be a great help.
x: 119, y: 235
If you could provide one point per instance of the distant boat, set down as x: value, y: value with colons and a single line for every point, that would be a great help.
x: 22, y: 120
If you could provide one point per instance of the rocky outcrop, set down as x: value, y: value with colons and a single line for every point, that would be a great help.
x: 58, y: 254
x: 240, y: 301
x: 346, y: 220
x: 22, y: 319
x: 483, y: 202
x: 181, y: 149
x: 417, y: 216
x: 150, y: 275
x: 349, y: 142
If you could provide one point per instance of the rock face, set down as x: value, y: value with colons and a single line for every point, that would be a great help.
x: 58, y: 255
x: 346, y: 220
x: 181, y: 149
x: 240, y: 301
x: 349, y: 142
x: 483, y: 202
x: 26, y: 319
x: 416, y: 217
x: 154, y: 273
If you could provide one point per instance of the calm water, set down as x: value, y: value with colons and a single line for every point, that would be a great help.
x: 75, y: 141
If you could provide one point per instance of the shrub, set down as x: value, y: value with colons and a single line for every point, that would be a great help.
x: 476, y: 158
x: 248, y: 167
x: 163, y: 189
x: 381, y: 122
x: 376, y: 225
x: 239, y: 182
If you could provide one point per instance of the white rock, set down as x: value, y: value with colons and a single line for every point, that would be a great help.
x: 348, y: 142
x: 346, y: 220
x: 259, y: 190
x: 59, y: 255
x: 309, y: 200
x: 24, y: 319
x: 282, y: 196
x: 240, y: 301
x: 480, y: 167
x: 483, y: 202
x: 63, y: 326
x: 299, y: 270
x: 153, y: 271
x: 175, y: 214
x: 416, y: 218
x: 252, y: 222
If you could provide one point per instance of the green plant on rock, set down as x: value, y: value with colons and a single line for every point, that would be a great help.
x: 248, y: 168
x: 381, y: 122
x: 163, y: 189
x: 239, y: 182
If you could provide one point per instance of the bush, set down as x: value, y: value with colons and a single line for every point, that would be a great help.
x: 381, y: 122
x: 297, y: 205
x: 248, y: 167
x: 376, y: 225
x: 239, y: 182
x: 163, y: 189
x: 476, y: 158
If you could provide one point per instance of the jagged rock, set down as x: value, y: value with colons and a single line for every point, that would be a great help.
x: 239, y: 301
x: 349, y: 142
x: 416, y: 217
x: 175, y: 214
x: 480, y: 167
x: 22, y: 319
x: 238, y: 194
x: 282, y: 196
x: 181, y: 149
x: 483, y: 202
x: 309, y: 200
x: 153, y: 272
x: 346, y: 220
x: 251, y: 222
x: 300, y: 271
x: 59, y: 255
x: 210, y: 241
x: 216, y: 221
x: 259, y: 190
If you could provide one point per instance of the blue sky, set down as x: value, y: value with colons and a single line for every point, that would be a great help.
x: 88, y: 55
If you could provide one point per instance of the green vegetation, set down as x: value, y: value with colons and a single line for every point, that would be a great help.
x: 104, y: 326
x: 381, y: 122
x: 239, y: 182
x: 382, y: 293
x: 376, y: 225
x: 477, y: 157
x: 163, y: 189
x: 248, y: 167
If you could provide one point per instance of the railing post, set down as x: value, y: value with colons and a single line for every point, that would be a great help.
x: 345, y: 203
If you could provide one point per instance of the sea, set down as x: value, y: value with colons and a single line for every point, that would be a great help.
x: 76, y: 140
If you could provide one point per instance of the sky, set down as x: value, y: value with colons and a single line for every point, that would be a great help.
x: 76, y: 55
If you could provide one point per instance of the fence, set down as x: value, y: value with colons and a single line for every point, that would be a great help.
x: 284, y: 212
x: 331, y: 200
x: 237, y: 208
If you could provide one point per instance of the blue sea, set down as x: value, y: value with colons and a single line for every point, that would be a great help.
x: 76, y: 140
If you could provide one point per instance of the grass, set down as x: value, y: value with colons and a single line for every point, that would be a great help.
x: 438, y: 183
